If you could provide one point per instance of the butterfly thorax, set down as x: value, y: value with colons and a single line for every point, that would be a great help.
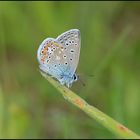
x: 68, y: 80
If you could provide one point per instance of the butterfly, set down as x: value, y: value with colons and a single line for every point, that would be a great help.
x: 59, y: 57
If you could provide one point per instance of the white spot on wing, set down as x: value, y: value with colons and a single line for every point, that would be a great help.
x: 57, y: 58
x: 49, y: 50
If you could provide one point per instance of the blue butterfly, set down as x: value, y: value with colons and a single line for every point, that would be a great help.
x: 59, y: 57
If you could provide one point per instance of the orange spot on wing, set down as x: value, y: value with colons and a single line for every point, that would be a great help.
x: 43, y: 58
x: 45, y: 50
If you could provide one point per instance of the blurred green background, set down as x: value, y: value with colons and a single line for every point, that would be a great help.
x: 30, y: 107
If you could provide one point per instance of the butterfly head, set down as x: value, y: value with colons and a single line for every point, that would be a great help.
x: 68, y: 80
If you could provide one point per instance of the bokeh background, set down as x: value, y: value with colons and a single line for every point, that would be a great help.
x: 30, y: 107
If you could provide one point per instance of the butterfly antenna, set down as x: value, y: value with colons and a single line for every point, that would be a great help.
x: 91, y: 75
x: 81, y: 81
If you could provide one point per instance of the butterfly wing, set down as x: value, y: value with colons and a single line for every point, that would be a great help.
x: 71, y: 42
x: 46, y: 58
x: 59, y: 57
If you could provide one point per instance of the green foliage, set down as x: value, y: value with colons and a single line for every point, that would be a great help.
x: 30, y: 107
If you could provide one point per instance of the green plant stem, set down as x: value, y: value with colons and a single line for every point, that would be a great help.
x: 112, y: 125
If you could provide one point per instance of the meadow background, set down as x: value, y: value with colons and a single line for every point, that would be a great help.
x: 30, y: 107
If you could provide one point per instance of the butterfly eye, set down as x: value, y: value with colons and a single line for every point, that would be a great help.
x: 74, y: 77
